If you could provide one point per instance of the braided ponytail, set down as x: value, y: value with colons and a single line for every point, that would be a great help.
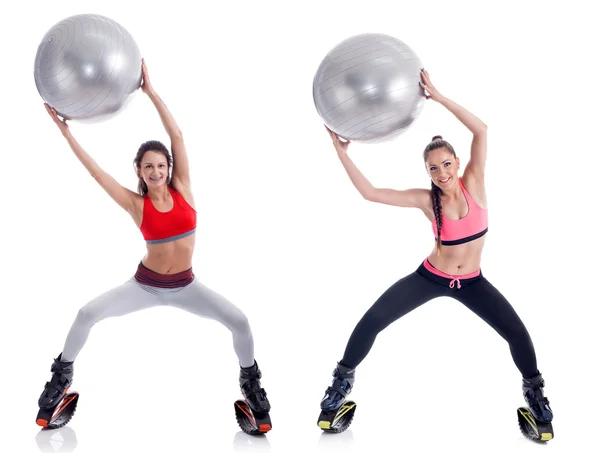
x: 437, y: 211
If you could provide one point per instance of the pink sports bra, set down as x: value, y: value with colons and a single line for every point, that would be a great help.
x: 473, y: 226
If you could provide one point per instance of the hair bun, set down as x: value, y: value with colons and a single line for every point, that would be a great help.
x: 437, y: 137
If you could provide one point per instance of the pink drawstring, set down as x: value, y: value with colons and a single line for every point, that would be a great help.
x: 455, y: 279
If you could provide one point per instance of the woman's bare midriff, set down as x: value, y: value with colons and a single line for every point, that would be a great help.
x: 170, y: 257
x: 458, y: 259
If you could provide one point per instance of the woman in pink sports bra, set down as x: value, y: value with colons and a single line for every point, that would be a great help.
x: 457, y: 209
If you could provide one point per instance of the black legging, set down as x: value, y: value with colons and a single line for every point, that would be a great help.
x: 415, y: 289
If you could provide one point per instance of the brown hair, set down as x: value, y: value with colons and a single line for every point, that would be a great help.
x: 151, y: 145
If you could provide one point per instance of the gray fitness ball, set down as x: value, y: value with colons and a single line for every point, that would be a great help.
x: 87, y: 66
x: 367, y: 90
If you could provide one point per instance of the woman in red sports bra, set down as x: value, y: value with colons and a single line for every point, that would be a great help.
x: 457, y: 209
x: 163, y: 209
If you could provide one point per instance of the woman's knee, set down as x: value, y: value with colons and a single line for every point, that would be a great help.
x: 516, y: 334
x: 372, y: 323
x: 238, y: 322
x: 87, y: 316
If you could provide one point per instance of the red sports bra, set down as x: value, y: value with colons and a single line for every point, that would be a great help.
x: 471, y: 227
x: 158, y: 227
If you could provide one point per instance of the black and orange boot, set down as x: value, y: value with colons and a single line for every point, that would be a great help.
x: 253, y: 413
x: 56, y: 405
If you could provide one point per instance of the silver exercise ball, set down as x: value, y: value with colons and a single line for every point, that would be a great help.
x: 367, y: 90
x: 87, y: 66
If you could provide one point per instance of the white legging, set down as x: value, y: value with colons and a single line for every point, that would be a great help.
x: 133, y: 296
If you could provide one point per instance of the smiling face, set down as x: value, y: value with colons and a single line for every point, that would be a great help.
x: 442, y: 167
x: 154, y: 169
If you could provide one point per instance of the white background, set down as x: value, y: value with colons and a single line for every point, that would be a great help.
x: 285, y: 236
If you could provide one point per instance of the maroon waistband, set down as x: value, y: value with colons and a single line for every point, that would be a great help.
x: 148, y: 277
